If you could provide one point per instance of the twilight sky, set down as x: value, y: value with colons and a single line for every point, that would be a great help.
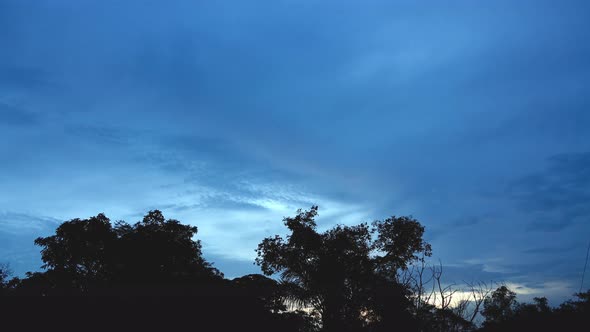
x: 472, y: 116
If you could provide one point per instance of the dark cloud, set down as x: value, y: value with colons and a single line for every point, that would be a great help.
x: 558, y: 196
x: 471, y: 273
x: 453, y: 226
x: 550, y: 250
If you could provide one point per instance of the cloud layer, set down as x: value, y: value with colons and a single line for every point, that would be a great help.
x: 471, y: 117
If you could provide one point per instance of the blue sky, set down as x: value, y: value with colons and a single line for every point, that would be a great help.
x: 472, y: 116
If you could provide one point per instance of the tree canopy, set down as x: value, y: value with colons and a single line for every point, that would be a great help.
x: 500, y: 306
x: 347, y: 273
x: 93, y: 253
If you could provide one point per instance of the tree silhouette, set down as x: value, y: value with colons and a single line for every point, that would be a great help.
x: 500, y: 306
x: 80, y: 253
x: 347, y: 278
x: 345, y: 274
x: 91, y: 254
x: 5, y: 272
x: 156, y: 250
x: 154, y: 275
x: 267, y: 290
x: 507, y: 315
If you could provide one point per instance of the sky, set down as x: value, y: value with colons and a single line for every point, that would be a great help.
x: 471, y: 116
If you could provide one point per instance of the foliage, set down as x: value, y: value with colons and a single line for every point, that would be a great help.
x: 539, y: 316
x: 346, y: 274
x: 500, y: 306
x: 365, y: 277
x: 89, y: 254
x: 5, y: 272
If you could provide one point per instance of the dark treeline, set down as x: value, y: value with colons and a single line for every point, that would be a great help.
x: 151, y: 275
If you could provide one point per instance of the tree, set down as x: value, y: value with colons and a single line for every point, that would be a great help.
x: 500, y: 306
x: 540, y: 306
x: 267, y: 290
x: 345, y: 274
x: 5, y: 272
x: 86, y: 254
x: 580, y: 307
x: 80, y: 253
x: 267, y: 293
x: 157, y: 250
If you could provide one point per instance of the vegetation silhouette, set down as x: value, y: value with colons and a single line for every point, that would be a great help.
x: 346, y: 274
x: 500, y: 306
x: 152, y: 275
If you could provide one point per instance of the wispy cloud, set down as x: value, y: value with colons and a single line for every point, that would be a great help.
x: 14, y: 116
x: 557, y: 197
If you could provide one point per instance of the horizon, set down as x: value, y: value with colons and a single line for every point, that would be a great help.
x: 472, y: 118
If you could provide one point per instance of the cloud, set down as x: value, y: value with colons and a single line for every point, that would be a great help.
x: 556, y: 197
x: 24, y: 223
x: 14, y: 116
x: 231, y: 116
x: 17, y: 233
x: 560, y: 250
x: 22, y: 78
x: 556, y: 291
x: 455, y: 225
